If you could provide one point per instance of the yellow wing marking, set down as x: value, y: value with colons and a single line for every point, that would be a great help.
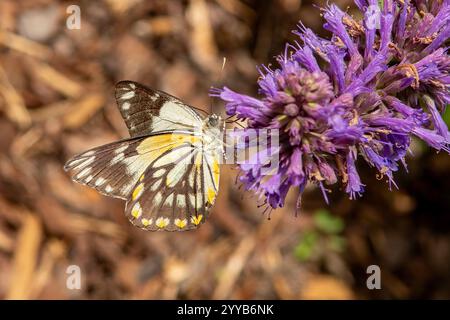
x: 211, y: 195
x: 198, y: 160
x: 196, y: 219
x: 162, y: 222
x: 180, y: 223
x: 216, y: 172
x: 136, y: 211
x: 164, y: 142
x: 137, y: 191
x: 146, y: 222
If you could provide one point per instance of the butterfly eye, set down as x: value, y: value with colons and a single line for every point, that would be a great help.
x: 213, y: 121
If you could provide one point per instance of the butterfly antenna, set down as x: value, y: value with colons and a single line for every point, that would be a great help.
x: 236, y: 121
x: 219, y: 80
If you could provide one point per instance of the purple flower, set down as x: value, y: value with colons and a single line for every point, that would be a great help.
x: 358, y: 96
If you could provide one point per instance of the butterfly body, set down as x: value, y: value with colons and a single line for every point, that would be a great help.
x: 168, y: 171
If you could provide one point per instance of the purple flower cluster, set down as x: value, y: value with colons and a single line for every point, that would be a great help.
x: 360, y: 95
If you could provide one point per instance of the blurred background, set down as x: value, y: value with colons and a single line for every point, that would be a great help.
x: 56, y: 99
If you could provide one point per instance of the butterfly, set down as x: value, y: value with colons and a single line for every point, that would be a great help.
x: 167, y: 171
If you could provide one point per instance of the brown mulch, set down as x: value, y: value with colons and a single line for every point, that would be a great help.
x: 56, y: 99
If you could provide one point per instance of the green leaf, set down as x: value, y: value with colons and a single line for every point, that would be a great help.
x: 307, y: 245
x: 328, y: 223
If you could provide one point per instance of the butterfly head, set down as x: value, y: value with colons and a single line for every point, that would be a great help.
x: 213, y: 121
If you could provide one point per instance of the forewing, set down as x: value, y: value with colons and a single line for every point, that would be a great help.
x: 176, y: 191
x: 114, y: 169
x: 148, y: 111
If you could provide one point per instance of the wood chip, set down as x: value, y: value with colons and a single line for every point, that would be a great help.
x: 14, y: 104
x: 25, y: 257
x: 6, y: 242
x: 53, y: 251
x: 24, y: 45
x: 55, y: 79
x: 203, y: 46
x: 83, y: 110
x: 233, y: 268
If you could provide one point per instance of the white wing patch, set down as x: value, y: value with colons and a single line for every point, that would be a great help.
x: 176, y: 116
x: 177, y: 172
x: 126, y: 96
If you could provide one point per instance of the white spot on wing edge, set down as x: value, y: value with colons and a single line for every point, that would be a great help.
x: 100, y: 181
x: 88, y: 153
x: 146, y: 222
x: 83, y: 172
x: 126, y: 105
x: 136, y: 211
x: 121, y: 149
x: 127, y: 95
x: 73, y: 163
x: 86, y: 162
x: 162, y: 222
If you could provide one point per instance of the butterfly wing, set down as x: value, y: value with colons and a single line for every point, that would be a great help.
x: 148, y: 111
x: 163, y: 170
x: 177, y: 189
x: 113, y: 169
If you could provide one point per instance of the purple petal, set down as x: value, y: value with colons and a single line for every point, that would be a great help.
x: 354, y: 185
x: 439, y: 123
